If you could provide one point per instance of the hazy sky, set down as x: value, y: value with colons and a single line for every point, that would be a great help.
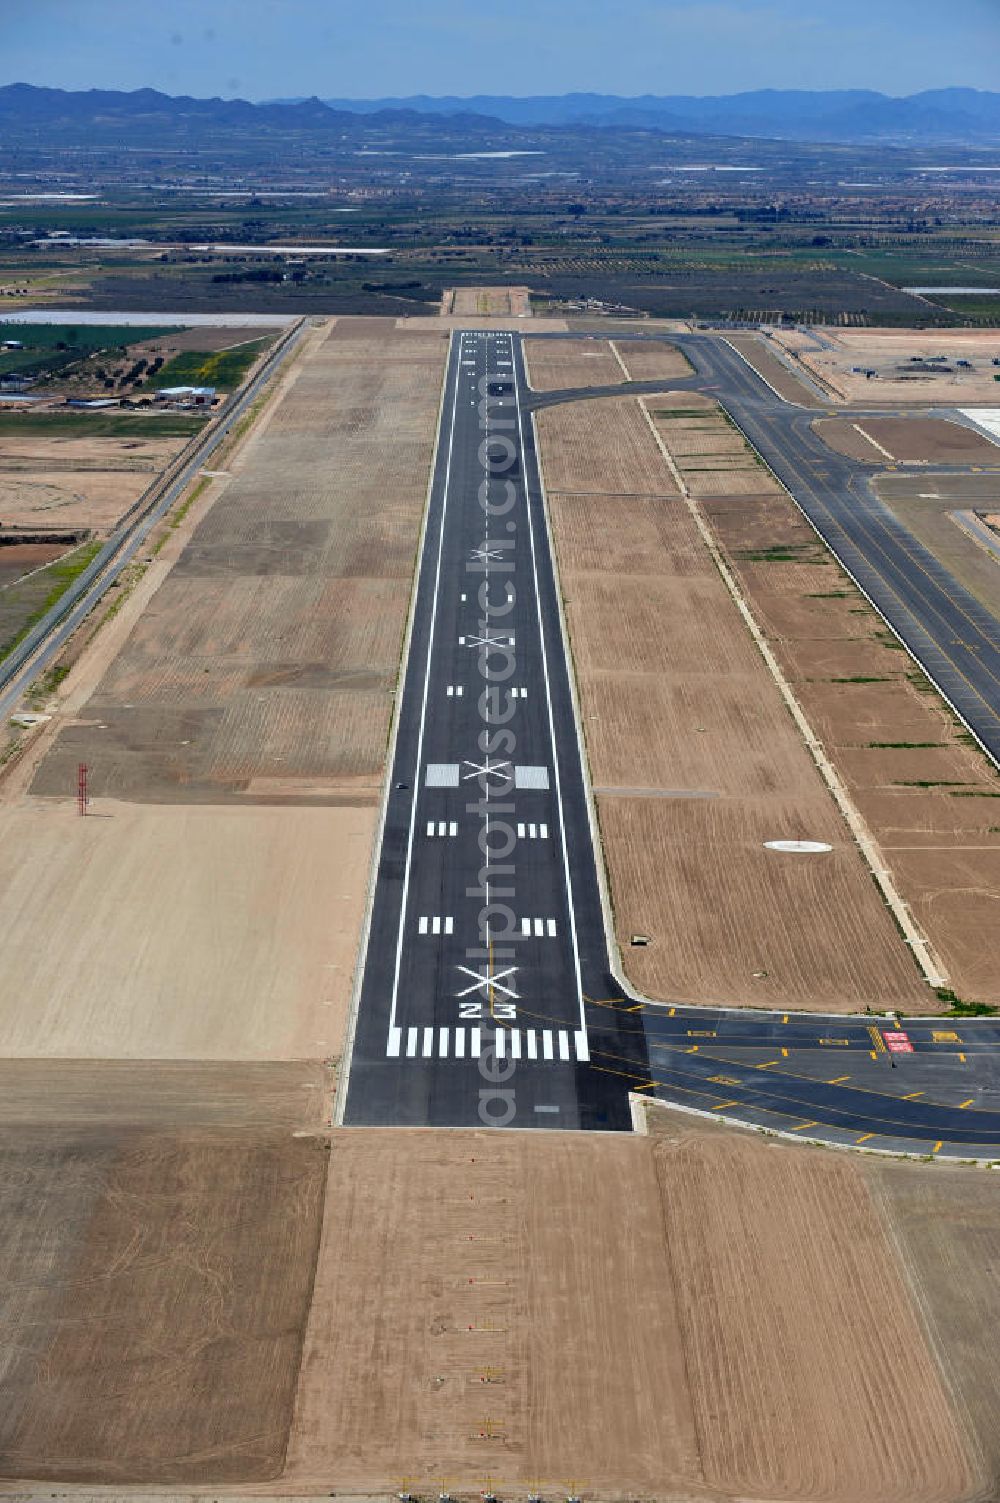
x: 267, y: 48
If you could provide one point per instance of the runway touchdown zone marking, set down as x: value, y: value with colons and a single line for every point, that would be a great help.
x: 537, y: 1045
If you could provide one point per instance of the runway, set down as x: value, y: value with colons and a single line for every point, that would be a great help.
x: 486, y: 995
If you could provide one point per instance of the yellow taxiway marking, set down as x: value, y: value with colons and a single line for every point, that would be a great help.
x: 945, y: 1036
x: 963, y: 1104
x: 873, y: 1054
x: 912, y: 1096
x: 693, y: 1049
x: 671, y: 1012
x: 723, y: 1104
x: 865, y: 1136
x: 769, y: 1062
x: 938, y: 1146
x: 723, y: 1080
x: 877, y: 1039
x: 803, y: 1125
x: 840, y: 1043
x: 784, y: 1053
x: 838, y: 1080
x: 962, y: 1058
x: 785, y: 1018
x: 701, y: 1033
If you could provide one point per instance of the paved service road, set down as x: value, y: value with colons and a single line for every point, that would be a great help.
x: 486, y: 995
x: 486, y: 929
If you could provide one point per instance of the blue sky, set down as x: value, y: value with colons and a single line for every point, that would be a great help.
x: 267, y: 48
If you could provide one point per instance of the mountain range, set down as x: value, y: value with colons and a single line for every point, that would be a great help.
x: 963, y: 116
x: 939, y: 117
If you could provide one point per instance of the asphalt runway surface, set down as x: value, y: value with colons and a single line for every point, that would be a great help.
x: 487, y: 995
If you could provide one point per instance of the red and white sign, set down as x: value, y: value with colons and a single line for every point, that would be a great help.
x: 897, y: 1042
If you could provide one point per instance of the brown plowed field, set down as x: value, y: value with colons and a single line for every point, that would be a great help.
x: 487, y: 302
x: 696, y: 1316
x: 179, y: 933
x: 946, y: 1226
x: 810, y: 1369
x: 928, y: 797
x: 732, y: 923
x: 652, y: 361
x: 602, y: 446
x: 76, y: 482
x: 909, y: 441
x: 157, y: 1288
x: 271, y: 649
x: 677, y: 702
x: 561, y: 364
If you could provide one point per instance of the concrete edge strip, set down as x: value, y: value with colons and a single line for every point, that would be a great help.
x: 920, y: 947
x: 617, y: 354
x: 640, y: 1123
x: 344, y: 1072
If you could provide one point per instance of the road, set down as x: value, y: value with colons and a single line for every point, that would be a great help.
x: 487, y: 995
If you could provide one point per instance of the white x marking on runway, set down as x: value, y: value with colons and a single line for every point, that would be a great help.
x: 482, y: 981
x: 493, y: 553
x: 487, y: 770
x: 489, y: 640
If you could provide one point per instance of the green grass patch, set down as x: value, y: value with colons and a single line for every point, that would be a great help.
x: 49, y: 348
x: 58, y: 576
x: 862, y: 678
x: 107, y: 424
x: 904, y: 745
x: 829, y: 595
x: 681, y: 412
x: 975, y: 793
x: 43, y: 688
x: 961, y: 1009
x: 224, y: 369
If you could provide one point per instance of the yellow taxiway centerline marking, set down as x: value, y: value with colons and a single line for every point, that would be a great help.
x: 962, y: 1058
x: 838, y: 1080
x: 873, y: 1054
x: 912, y: 1096
x: 693, y: 1049
x: 785, y: 1018
x: 963, y: 1104
x: 784, y: 1053
x: 723, y: 1104
x: 865, y: 1136
x: 769, y: 1062
x: 938, y: 1145
x: 803, y: 1125
x: 671, y: 1012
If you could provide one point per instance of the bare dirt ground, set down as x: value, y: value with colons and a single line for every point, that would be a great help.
x: 487, y: 302
x: 677, y: 702
x: 774, y: 370
x: 264, y: 665
x: 652, y: 362
x: 18, y: 559
x: 889, y: 351
x: 179, y: 933
x: 602, y: 446
x: 158, y: 1284
x: 901, y: 752
x: 619, y: 1317
x: 908, y: 441
x: 926, y: 503
x: 561, y: 364
x: 76, y: 483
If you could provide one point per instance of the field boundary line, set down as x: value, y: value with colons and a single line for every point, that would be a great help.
x: 361, y: 956
x: 617, y: 354
x: 920, y: 947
